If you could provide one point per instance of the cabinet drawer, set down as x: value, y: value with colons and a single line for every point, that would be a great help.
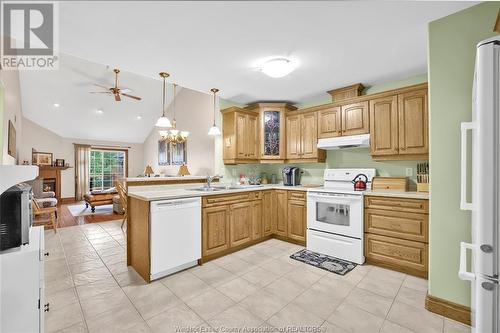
x: 403, y: 225
x: 399, y: 254
x: 398, y: 204
x: 297, y: 195
x: 215, y: 200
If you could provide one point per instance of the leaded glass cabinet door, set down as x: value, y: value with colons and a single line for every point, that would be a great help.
x: 271, y: 134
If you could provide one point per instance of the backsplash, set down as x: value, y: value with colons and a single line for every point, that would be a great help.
x: 313, y: 173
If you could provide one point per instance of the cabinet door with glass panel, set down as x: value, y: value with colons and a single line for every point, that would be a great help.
x: 272, y: 129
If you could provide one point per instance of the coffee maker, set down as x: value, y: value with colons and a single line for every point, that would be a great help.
x: 291, y: 176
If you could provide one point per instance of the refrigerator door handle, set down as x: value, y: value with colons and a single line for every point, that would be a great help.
x: 463, y: 274
x: 464, y: 205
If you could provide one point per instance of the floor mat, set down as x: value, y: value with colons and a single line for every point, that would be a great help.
x: 81, y: 210
x: 331, y: 264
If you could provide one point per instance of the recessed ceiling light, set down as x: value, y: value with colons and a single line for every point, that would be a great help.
x: 139, y: 117
x: 278, y: 67
x: 56, y: 105
x: 99, y: 111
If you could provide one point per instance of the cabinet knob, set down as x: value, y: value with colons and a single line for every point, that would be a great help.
x: 46, y: 254
x: 46, y: 307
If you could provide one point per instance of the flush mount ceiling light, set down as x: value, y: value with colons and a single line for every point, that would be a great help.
x: 99, y: 111
x: 138, y: 117
x: 278, y: 67
x: 56, y: 105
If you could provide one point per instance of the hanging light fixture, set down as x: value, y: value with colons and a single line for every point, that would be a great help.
x: 163, y: 122
x: 214, y: 130
x: 173, y: 135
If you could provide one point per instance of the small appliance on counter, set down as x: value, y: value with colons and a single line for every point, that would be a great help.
x: 291, y: 176
x: 359, y: 182
x: 15, y: 216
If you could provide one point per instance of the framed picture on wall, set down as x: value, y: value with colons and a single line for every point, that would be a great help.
x: 11, y: 144
x: 40, y: 158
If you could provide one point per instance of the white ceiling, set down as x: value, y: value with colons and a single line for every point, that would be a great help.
x: 218, y: 44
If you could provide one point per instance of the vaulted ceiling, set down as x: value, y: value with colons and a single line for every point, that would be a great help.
x: 209, y: 44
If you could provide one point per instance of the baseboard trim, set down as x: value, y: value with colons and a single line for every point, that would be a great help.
x: 68, y: 200
x: 448, y: 309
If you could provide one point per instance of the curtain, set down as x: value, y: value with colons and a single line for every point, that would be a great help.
x: 82, y: 178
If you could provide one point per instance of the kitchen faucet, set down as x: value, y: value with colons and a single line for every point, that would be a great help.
x: 210, y: 179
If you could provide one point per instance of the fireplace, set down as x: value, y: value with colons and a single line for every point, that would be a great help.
x: 49, y: 185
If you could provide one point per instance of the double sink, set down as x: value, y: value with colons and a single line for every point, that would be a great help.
x: 225, y: 188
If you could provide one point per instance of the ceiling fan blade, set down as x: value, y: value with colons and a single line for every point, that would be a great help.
x: 100, y: 92
x: 125, y: 90
x: 117, y: 97
x: 100, y: 85
x: 134, y: 97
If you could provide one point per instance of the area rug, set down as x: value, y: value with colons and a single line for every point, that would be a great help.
x: 331, y: 264
x: 81, y: 210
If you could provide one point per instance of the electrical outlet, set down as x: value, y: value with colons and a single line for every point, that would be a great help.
x: 409, y: 172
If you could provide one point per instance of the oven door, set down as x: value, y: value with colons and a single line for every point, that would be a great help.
x: 340, y: 214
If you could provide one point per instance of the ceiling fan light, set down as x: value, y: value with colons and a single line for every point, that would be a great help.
x: 163, y: 122
x: 214, y: 131
x: 278, y: 67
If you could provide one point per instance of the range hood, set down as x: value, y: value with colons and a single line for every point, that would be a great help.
x: 344, y: 142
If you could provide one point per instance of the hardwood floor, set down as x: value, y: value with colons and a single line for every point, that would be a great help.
x: 66, y: 219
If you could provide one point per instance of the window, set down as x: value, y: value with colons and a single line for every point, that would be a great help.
x: 106, y: 166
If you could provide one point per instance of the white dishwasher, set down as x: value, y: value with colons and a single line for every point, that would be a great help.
x: 175, y: 235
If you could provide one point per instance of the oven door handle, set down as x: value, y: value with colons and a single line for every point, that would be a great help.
x: 334, y: 199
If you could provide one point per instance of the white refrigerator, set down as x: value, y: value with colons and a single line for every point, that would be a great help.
x: 484, y: 203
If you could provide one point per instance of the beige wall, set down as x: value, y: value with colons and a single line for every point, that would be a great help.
x: 12, y: 110
x: 41, y: 139
x: 194, y: 114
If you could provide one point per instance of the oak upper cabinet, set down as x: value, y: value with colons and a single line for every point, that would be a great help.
x: 241, y: 223
x: 271, y: 126
x: 329, y: 122
x: 281, y: 213
x: 215, y: 230
x: 384, y: 126
x: 257, y: 219
x: 355, y: 119
x: 413, y: 123
x: 399, y: 126
x: 302, y: 138
x: 293, y: 137
x: 240, y: 136
x: 268, y: 212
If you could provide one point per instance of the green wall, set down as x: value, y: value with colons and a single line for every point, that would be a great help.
x: 350, y: 158
x: 452, y: 47
x: 2, y: 103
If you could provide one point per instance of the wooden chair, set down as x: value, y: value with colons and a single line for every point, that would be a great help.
x: 51, y: 212
x: 122, y: 193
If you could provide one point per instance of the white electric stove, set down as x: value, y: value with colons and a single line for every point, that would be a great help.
x: 335, y: 215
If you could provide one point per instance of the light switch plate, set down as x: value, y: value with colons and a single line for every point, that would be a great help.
x: 409, y: 172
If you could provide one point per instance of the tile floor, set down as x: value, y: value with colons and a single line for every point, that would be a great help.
x: 91, y: 289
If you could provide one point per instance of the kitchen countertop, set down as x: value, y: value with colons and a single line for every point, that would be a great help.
x: 165, y: 192
x: 398, y: 194
x: 152, y: 179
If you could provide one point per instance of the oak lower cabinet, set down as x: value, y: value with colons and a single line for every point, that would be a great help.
x: 297, y: 218
x: 215, y: 230
x: 268, y: 212
x: 240, y: 223
x: 281, y: 213
x: 397, y: 233
x: 257, y: 219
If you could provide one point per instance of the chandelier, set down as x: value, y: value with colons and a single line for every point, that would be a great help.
x: 173, y: 135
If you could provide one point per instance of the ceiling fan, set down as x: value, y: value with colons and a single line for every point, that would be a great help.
x: 115, y: 91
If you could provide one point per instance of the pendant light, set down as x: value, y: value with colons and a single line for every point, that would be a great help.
x: 163, y: 122
x: 173, y: 135
x: 214, y: 130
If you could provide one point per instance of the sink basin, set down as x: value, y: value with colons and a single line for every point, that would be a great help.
x: 208, y: 189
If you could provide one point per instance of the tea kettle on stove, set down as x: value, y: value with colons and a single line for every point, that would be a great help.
x: 359, y: 183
